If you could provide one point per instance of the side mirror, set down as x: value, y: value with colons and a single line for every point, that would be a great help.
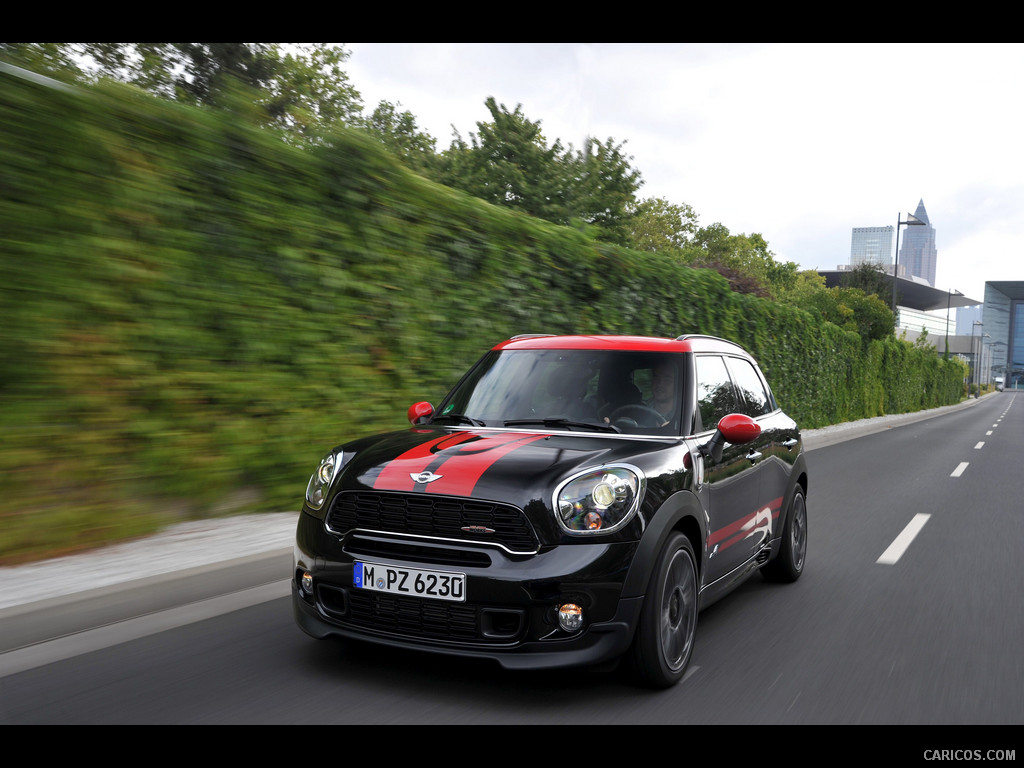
x: 420, y: 413
x: 736, y: 429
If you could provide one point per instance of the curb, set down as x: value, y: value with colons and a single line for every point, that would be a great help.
x: 839, y: 433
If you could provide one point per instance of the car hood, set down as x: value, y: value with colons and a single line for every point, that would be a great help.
x: 516, y: 467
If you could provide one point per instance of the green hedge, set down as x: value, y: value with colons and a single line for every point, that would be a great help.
x: 193, y: 312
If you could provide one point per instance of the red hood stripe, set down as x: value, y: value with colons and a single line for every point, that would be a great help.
x: 395, y: 476
x: 460, y: 459
x: 463, y: 470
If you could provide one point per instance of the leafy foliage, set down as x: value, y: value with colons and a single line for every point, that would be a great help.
x: 399, y: 133
x: 871, y: 279
x: 51, y: 59
x: 508, y: 162
x: 744, y: 260
x: 660, y: 226
x: 849, y: 308
x: 299, y: 90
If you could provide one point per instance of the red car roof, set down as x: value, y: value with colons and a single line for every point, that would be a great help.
x: 632, y: 343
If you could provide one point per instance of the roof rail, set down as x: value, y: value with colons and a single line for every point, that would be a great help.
x: 529, y: 336
x: 712, y: 343
x: 687, y: 336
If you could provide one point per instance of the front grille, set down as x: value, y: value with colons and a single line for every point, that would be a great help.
x: 422, y: 514
x: 367, y: 547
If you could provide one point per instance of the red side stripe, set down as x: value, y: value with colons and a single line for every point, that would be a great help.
x: 734, y: 532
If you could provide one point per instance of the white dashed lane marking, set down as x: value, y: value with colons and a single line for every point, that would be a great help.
x: 901, y: 542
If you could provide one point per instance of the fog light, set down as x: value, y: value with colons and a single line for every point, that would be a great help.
x: 306, y: 584
x: 570, y: 617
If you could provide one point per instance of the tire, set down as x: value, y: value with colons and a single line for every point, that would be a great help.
x: 668, y: 620
x: 789, y: 563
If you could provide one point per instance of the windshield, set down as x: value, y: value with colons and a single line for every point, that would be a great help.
x: 579, y: 389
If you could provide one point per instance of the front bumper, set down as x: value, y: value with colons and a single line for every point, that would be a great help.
x: 510, y: 611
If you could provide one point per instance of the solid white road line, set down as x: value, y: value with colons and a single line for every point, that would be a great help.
x: 900, y: 544
x: 66, y: 647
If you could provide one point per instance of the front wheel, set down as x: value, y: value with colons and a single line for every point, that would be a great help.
x: 668, y: 620
x: 789, y: 563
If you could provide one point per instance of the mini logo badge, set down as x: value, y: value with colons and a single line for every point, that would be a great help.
x: 424, y: 477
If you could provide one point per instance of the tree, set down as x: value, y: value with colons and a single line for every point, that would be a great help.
x: 300, y: 90
x: 398, y: 132
x: 849, y: 308
x: 870, y: 278
x: 806, y: 286
x: 189, y: 72
x: 601, y: 184
x: 509, y: 162
x: 744, y: 260
x: 869, y: 315
x: 660, y: 226
x: 53, y: 59
x: 308, y: 93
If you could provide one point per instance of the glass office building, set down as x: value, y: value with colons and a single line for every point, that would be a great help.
x: 1002, y: 331
x: 871, y: 245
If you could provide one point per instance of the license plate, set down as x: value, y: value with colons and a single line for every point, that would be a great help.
x: 395, y: 580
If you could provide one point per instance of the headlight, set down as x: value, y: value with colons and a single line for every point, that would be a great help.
x: 599, y: 500
x: 321, y: 480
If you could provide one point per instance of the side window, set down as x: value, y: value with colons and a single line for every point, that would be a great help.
x: 715, y: 395
x: 754, y: 398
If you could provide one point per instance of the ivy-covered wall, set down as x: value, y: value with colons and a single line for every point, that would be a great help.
x: 193, y: 312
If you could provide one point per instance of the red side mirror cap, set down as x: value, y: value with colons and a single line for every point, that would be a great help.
x: 419, y: 412
x: 738, y: 429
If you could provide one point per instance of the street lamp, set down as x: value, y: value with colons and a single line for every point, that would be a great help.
x: 974, y: 356
x: 949, y: 296
x: 986, y: 373
x: 912, y: 221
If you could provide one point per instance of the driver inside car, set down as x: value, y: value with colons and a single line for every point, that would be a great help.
x: 663, y: 387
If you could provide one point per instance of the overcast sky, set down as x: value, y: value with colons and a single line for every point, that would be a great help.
x: 798, y: 142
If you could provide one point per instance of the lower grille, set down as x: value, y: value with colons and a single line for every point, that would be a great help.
x: 417, y: 618
x: 408, y: 616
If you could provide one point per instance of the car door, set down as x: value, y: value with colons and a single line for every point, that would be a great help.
x: 755, y: 400
x: 731, y: 484
x: 778, y: 443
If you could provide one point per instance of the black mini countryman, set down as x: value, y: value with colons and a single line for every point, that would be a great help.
x: 572, y: 500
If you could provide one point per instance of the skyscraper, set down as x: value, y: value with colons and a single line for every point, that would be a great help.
x: 871, y: 245
x: 917, y: 253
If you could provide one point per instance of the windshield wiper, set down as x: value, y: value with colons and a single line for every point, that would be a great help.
x: 461, y: 418
x: 561, y: 421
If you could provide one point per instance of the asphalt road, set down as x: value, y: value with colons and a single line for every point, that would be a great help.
x: 909, y: 612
